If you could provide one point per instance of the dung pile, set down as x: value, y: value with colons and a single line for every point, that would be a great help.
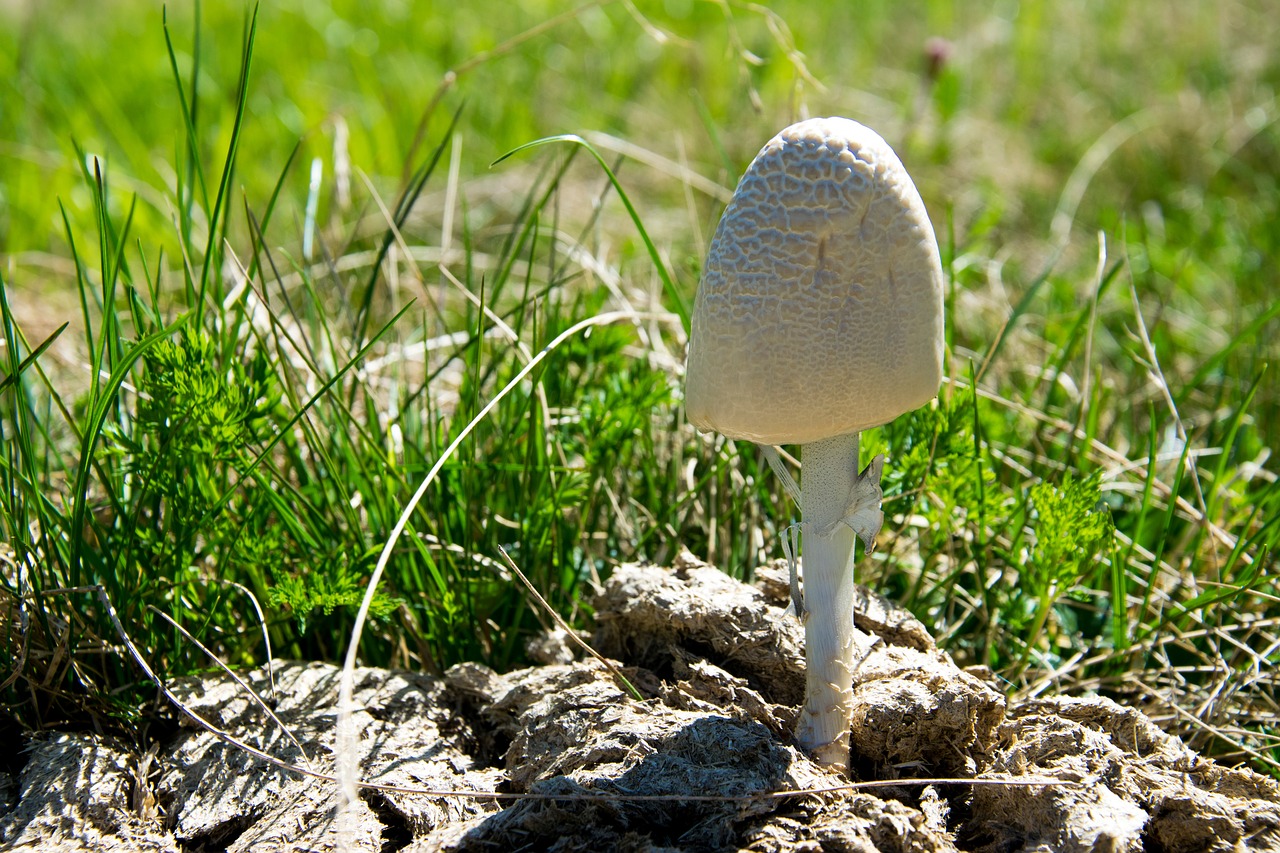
x: 703, y: 761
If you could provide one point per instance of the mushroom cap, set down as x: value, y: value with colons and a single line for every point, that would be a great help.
x: 820, y: 308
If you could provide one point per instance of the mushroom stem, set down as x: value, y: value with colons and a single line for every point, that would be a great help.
x: 836, y: 501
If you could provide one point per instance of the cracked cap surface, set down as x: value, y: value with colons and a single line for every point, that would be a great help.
x: 820, y: 308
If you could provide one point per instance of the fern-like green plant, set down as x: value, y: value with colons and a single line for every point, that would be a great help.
x: 339, y: 583
x: 1069, y: 528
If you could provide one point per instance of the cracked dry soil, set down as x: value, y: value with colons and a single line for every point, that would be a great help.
x: 721, y: 668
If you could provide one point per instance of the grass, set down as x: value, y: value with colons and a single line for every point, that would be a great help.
x: 261, y: 268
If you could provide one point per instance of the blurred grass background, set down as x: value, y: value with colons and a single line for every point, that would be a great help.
x: 1102, y: 177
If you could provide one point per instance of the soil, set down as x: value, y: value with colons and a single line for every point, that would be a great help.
x: 703, y: 762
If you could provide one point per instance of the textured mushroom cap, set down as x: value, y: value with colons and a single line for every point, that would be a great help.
x: 820, y: 307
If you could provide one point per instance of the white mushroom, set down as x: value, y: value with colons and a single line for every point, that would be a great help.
x: 819, y: 315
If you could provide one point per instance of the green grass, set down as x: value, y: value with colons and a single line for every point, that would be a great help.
x: 222, y: 383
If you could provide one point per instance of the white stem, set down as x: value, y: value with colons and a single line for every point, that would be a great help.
x: 827, y: 481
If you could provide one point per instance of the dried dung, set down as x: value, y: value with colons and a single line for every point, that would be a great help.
x: 702, y: 760
x: 83, y: 792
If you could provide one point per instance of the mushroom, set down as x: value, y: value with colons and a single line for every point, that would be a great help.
x: 819, y: 315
